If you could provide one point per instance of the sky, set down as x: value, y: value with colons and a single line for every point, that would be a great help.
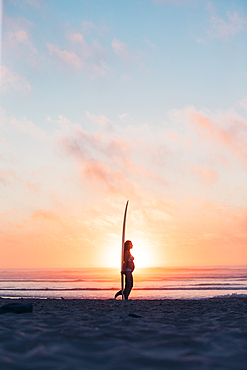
x: 108, y: 101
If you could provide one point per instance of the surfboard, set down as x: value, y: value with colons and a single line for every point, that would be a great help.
x: 122, y: 250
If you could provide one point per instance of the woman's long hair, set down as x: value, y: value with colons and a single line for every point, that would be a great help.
x: 127, y: 245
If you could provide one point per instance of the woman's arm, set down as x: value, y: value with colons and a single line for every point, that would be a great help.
x: 126, y: 257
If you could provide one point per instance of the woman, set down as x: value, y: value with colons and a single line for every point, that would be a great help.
x: 128, y: 268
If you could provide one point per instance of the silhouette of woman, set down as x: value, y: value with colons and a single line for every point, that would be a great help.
x: 128, y: 268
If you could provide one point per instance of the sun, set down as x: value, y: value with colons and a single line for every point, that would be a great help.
x: 143, y: 253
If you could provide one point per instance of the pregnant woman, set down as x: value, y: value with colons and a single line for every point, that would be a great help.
x: 128, y: 268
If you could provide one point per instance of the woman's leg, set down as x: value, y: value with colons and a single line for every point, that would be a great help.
x: 118, y: 293
x: 128, y: 284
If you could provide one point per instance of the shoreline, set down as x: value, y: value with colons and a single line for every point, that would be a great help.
x: 97, y: 334
x: 223, y: 297
x: 34, y: 300
x: 135, y: 298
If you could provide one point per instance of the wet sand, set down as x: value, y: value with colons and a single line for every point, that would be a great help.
x: 135, y: 334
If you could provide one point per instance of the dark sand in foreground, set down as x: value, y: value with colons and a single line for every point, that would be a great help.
x: 138, y: 334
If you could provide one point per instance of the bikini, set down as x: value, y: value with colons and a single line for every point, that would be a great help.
x: 129, y: 260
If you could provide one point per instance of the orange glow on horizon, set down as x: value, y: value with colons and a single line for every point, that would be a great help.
x: 145, y: 256
x: 197, y: 234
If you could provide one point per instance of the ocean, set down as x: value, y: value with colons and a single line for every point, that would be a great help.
x: 149, y: 283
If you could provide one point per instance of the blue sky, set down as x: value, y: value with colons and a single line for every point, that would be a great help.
x: 175, y: 57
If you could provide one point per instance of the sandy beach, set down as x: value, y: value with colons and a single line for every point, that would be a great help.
x: 139, y: 334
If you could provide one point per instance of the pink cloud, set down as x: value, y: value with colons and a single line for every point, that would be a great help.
x: 120, y: 48
x: 67, y: 57
x: 85, y: 51
x: 114, y: 181
x: 101, y: 120
x: 21, y: 36
x: 31, y: 186
x: 110, y: 158
x: 207, y: 175
x: 12, y: 82
x: 229, y: 131
x: 89, y: 58
x: 7, y: 175
x: 86, y: 146
x: 17, y: 40
x: 200, y: 120
x: 76, y: 37
x: 46, y: 215
x: 99, y: 69
x: 85, y: 56
x: 220, y: 28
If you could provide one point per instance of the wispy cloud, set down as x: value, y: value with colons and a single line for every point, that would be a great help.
x: 230, y: 131
x: 243, y: 102
x: 125, y: 53
x: 198, y: 39
x: 85, y: 50
x: 76, y: 38
x: 17, y: 40
x: 151, y: 44
x: 13, y: 82
x: 228, y: 27
x: 84, y: 145
x: 46, y: 215
x: 108, y: 157
x: 114, y: 181
x: 20, y: 37
x: 101, y: 120
x: 68, y: 57
x: 7, y: 175
x: 122, y: 49
x: 82, y: 56
x: 207, y: 175
x: 31, y: 187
